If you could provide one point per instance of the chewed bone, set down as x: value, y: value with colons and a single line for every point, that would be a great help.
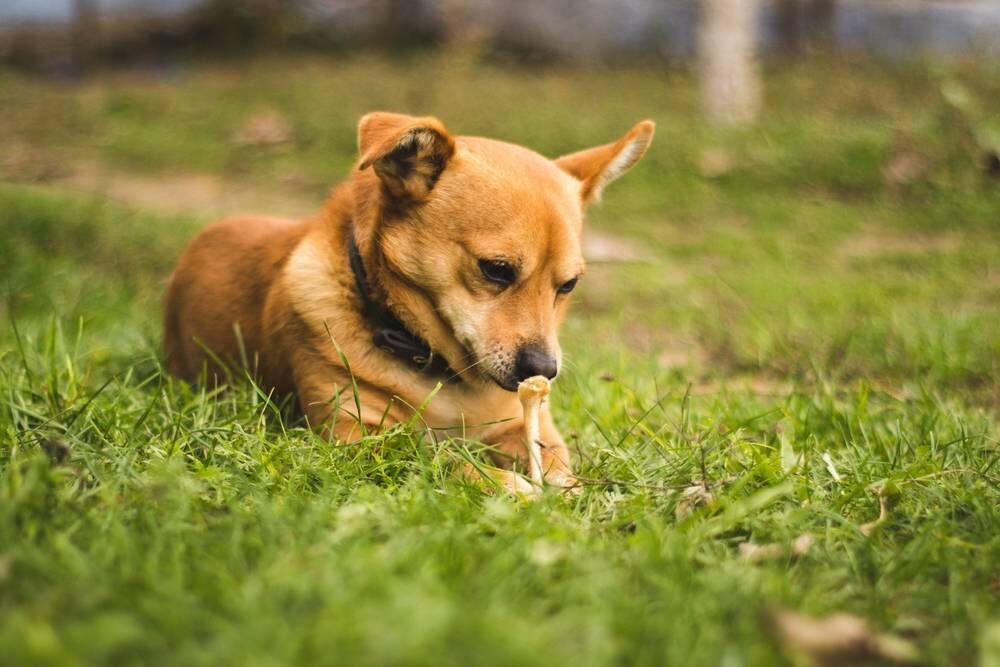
x: 532, y: 393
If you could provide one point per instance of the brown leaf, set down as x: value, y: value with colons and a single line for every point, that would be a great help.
x: 715, y: 162
x: 840, y: 639
x: 267, y: 128
x: 903, y: 167
x: 760, y: 552
x: 692, y: 497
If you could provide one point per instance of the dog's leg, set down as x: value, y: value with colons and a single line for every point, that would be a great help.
x: 326, y: 396
x: 336, y: 422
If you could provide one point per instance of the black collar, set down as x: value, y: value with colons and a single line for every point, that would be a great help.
x: 389, y: 334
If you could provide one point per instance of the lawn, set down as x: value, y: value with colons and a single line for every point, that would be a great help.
x: 799, y: 319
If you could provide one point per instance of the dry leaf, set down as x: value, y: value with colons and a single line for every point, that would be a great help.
x: 903, y: 167
x: 759, y: 552
x: 715, y: 162
x: 789, y: 459
x: 830, y: 467
x: 267, y: 128
x: 692, y: 497
x: 839, y: 639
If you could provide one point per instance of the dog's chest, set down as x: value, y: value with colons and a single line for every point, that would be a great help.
x: 457, y: 410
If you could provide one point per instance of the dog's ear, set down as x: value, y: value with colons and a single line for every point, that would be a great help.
x: 407, y: 153
x: 598, y: 166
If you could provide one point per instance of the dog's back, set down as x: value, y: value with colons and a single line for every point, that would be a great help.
x: 216, y: 297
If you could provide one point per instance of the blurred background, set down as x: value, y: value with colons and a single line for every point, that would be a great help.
x: 821, y: 200
x: 71, y: 35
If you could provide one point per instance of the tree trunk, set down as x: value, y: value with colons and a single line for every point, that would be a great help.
x: 727, y: 37
x: 787, y: 27
x: 84, y: 36
x: 821, y: 17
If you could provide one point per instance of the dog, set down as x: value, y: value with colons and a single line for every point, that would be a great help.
x: 443, y: 263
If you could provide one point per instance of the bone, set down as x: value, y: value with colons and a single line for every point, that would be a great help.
x: 532, y: 393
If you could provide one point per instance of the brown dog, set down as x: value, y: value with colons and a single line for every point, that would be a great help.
x: 442, y: 259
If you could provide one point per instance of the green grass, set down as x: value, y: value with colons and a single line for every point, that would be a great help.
x: 796, y: 301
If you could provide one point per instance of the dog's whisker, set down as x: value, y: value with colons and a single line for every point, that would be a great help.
x: 469, y: 367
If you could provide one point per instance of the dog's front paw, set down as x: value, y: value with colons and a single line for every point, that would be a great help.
x: 520, y: 486
x: 564, y: 481
x: 494, y: 479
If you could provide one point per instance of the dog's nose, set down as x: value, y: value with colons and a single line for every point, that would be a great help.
x: 534, y: 360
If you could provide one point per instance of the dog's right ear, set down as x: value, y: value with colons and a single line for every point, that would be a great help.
x: 407, y: 153
x: 596, y: 167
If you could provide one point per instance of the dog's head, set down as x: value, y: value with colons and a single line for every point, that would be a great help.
x: 475, y: 243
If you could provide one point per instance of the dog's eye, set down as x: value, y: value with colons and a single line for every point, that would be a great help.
x: 568, y: 286
x: 498, y: 271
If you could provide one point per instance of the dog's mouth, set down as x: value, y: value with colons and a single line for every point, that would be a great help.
x: 507, y: 384
x: 479, y: 368
x: 471, y: 365
x: 488, y: 376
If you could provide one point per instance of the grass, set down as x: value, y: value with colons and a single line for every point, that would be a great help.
x: 801, y: 303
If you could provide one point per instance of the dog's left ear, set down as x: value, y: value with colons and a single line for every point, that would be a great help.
x: 598, y: 166
x: 407, y: 153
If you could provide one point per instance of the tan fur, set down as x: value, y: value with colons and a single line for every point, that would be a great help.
x: 278, y: 297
